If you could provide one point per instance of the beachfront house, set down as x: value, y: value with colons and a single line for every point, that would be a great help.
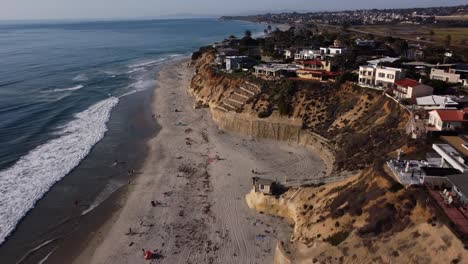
x: 448, y: 119
x: 454, y: 153
x: 289, y: 53
x: 314, y: 65
x: 276, y: 70
x: 442, y: 75
x: 264, y: 186
x: 409, y: 89
x: 238, y: 62
x: 459, y: 187
x: 308, y: 54
x: 317, y: 75
x: 379, y: 76
x: 332, y: 51
x: 433, y: 102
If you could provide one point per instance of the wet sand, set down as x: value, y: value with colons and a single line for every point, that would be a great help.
x: 197, y: 177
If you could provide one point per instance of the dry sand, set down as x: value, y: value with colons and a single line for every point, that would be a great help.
x: 197, y: 176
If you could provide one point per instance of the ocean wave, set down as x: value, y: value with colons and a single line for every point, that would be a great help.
x: 24, y: 183
x: 108, y: 190
x: 147, y: 63
x: 81, y: 78
x: 135, y: 70
x: 77, y: 87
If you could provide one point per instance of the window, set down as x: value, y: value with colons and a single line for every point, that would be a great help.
x: 262, y: 187
x: 390, y: 76
x: 381, y: 74
x: 369, y: 73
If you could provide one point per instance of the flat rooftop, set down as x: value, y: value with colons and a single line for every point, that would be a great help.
x: 277, y: 67
x: 459, y: 143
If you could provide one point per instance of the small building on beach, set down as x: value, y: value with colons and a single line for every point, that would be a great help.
x: 264, y: 186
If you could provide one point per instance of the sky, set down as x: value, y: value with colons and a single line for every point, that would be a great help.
x: 108, y: 9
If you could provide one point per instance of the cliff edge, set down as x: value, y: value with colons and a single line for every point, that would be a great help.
x: 365, y: 218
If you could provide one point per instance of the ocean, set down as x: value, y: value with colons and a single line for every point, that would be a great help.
x: 73, y: 110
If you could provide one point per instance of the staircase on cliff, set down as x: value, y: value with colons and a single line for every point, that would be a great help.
x: 237, y: 98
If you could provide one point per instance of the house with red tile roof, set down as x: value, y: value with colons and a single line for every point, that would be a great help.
x: 448, y: 119
x: 314, y: 64
x: 409, y: 89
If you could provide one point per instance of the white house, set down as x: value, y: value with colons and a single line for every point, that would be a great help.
x: 332, y: 51
x: 451, y: 157
x: 308, y: 54
x: 409, y: 88
x: 276, y: 70
x: 448, y: 119
x: 387, y: 76
x: 433, y: 102
x: 289, y: 53
x: 380, y: 76
x: 454, y: 152
x: 236, y: 62
x: 447, y: 76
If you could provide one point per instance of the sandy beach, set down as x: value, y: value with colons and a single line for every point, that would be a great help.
x: 187, y: 203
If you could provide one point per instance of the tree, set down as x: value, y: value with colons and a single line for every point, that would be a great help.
x: 248, y: 33
x: 448, y: 40
x: 269, y: 27
x: 265, y: 31
x: 345, y: 25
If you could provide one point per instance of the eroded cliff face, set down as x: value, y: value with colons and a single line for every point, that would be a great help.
x: 353, y: 126
x: 367, y: 218
x: 362, y: 219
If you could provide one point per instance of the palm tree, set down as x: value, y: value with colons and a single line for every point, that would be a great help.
x: 248, y: 33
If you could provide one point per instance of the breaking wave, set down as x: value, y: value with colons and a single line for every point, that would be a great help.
x: 77, y: 87
x: 34, y: 174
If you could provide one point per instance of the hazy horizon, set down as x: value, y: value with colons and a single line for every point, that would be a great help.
x: 146, y: 9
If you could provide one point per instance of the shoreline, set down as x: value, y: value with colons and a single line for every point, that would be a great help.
x: 192, y: 171
x: 55, y: 218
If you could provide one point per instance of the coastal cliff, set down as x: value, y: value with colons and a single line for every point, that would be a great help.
x: 350, y: 127
x: 364, y: 218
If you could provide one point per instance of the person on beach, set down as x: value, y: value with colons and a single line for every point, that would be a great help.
x: 147, y: 254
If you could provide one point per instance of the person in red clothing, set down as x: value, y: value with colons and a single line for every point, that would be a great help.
x: 148, y: 254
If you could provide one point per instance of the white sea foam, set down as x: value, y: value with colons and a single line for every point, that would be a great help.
x: 77, y: 87
x: 147, y: 63
x: 110, y: 188
x: 33, y: 175
x: 135, y: 70
x: 81, y: 78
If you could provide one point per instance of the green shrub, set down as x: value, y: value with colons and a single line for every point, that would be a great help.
x: 337, y: 238
x: 264, y: 114
x: 396, y: 186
